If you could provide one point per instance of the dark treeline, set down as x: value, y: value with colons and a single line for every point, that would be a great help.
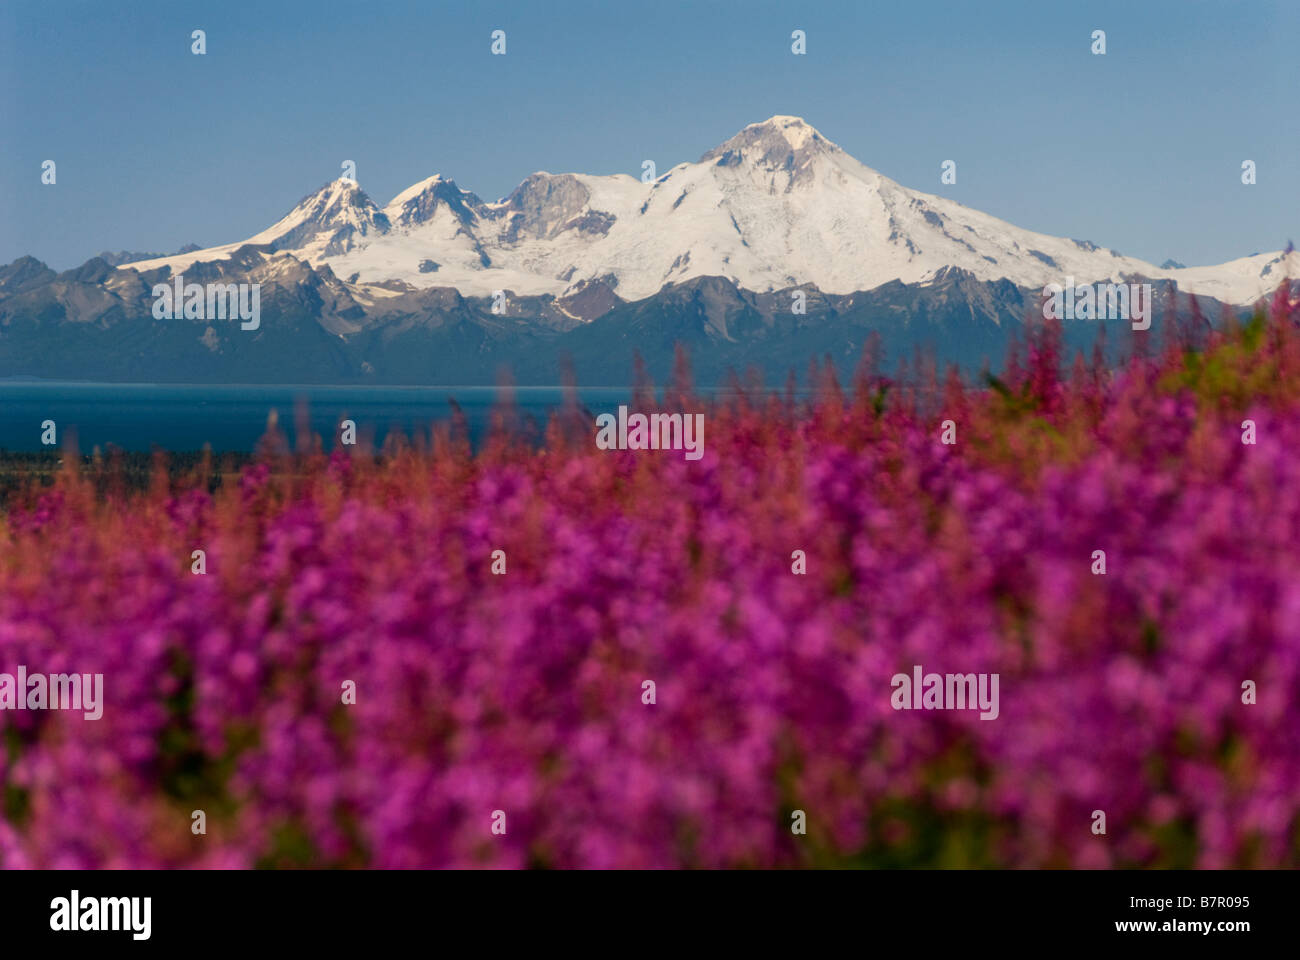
x: 115, y: 469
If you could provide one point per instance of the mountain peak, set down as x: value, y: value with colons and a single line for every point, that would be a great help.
x: 796, y: 130
x: 421, y: 201
x: 327, y: 221
x: 415, y: 189
x: 343, y: 193
x: 775, y: 143
x: 340, y: 187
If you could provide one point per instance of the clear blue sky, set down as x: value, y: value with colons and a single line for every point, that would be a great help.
x: 1139, y: 149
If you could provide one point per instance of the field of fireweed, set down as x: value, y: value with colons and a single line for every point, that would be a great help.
x: 522, y: 692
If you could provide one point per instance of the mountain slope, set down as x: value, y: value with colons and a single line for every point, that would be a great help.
x: 97, y: 323
x: 776, y: 206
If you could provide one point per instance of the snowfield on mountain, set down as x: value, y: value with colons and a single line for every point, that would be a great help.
x: 776, y: 206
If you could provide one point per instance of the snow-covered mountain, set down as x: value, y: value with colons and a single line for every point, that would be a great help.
x: 777, y: 205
